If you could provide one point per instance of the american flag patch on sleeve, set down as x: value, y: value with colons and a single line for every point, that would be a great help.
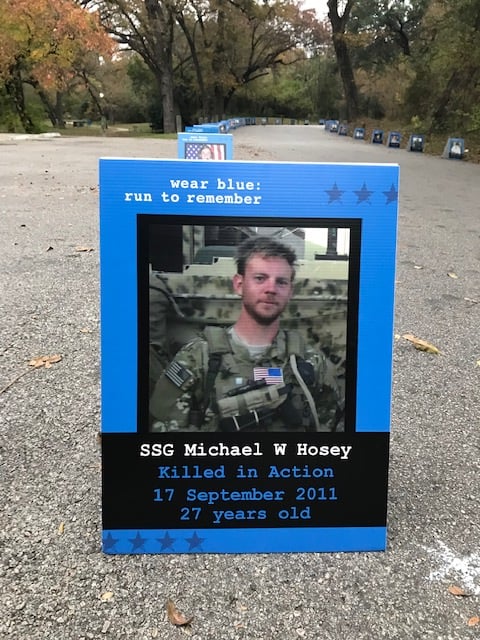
x: 178, y: 374
x: 271, y: 375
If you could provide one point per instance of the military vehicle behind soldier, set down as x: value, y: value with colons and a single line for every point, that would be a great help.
x: 245, y: 373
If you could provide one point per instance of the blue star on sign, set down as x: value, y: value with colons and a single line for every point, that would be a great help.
x: 334, y: 193
x: 194, y: 541
x: 391, y: 195
x: 363, y: 194
x: 109, y: 542
x: 137, y: 542
x: 166, y: 541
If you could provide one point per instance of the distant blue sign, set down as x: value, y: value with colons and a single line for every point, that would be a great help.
x: 454, y: 149
x: 359, y: 133
x: 416, y: 142
x: 205, y: 146
x: 394, y: 138
x: 210, y: 127
x: 377, y: 136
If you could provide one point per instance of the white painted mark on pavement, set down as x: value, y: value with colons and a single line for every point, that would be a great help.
x: 464, y: 569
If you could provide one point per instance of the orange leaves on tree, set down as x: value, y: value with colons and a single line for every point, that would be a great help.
x: 50, y: 37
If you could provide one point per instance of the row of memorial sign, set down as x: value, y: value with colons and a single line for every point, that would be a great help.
x: 454, y: 147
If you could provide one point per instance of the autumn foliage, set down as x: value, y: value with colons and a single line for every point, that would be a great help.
x: 47, y: 40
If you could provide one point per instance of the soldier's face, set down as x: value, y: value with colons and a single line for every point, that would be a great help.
x: 265, y: 288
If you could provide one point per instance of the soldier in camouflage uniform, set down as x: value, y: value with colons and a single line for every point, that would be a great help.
x: 252, y: 376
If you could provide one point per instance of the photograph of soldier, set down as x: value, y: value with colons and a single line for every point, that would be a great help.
x: 455, y: 150
x: 253, y: 375
x: 206, y: 152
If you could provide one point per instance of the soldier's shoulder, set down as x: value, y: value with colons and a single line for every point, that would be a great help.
x: 210, y: 340
x: 192, y: 350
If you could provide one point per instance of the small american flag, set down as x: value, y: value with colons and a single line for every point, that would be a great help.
x: 271, y: 375
x: 193, y: 150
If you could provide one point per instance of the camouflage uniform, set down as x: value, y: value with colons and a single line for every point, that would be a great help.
x: 234, y: 401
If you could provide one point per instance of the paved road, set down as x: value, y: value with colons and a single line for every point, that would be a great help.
x: 55, y: 581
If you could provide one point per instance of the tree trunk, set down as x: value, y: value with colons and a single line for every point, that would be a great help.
x: 218, y: 62
x: 196, y: 63
x: 166, y: 91
x: 59, y: 113
x: 54, y: 111
x: 14, y: 87
x: 339, y: 23
x: 346, y: 73
x: 49, y: 107
x: 161, y: 21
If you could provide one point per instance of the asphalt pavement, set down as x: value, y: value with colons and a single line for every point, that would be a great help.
x: 56, y: 582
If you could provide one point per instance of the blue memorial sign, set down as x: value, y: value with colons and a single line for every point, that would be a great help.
x: 377, y: 136
x: 238, y: 353
x: 416, y: 142
x: 359, y: 133
x: 343, y: 130
x: 210, y: 127
x: 333, y: 127
x: 454, y: 149
x: 205, y: 146
x: 394, y: 138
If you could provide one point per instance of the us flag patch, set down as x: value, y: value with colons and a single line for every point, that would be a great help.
x: 178, y: 374
x: 271, y: 375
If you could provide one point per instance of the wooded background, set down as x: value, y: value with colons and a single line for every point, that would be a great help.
x: 416, y: 63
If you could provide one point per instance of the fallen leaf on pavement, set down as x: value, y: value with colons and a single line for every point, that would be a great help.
x: 417, y: 266
x: 61, y: 528
x: 108, y: 595
x: 452, y: 275
x: 474, y: 620
x: 175, y: 616
x: 472, y: 300
x: 36, y: 363
x: 421, y: 345
x: 84, y: 249
x: 44, y: 361
x: 457, y: 591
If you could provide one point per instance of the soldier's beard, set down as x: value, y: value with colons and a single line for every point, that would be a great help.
x: 263, y: 319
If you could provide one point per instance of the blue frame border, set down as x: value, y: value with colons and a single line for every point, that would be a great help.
x: 369, y: 193
x: 267, y: 540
